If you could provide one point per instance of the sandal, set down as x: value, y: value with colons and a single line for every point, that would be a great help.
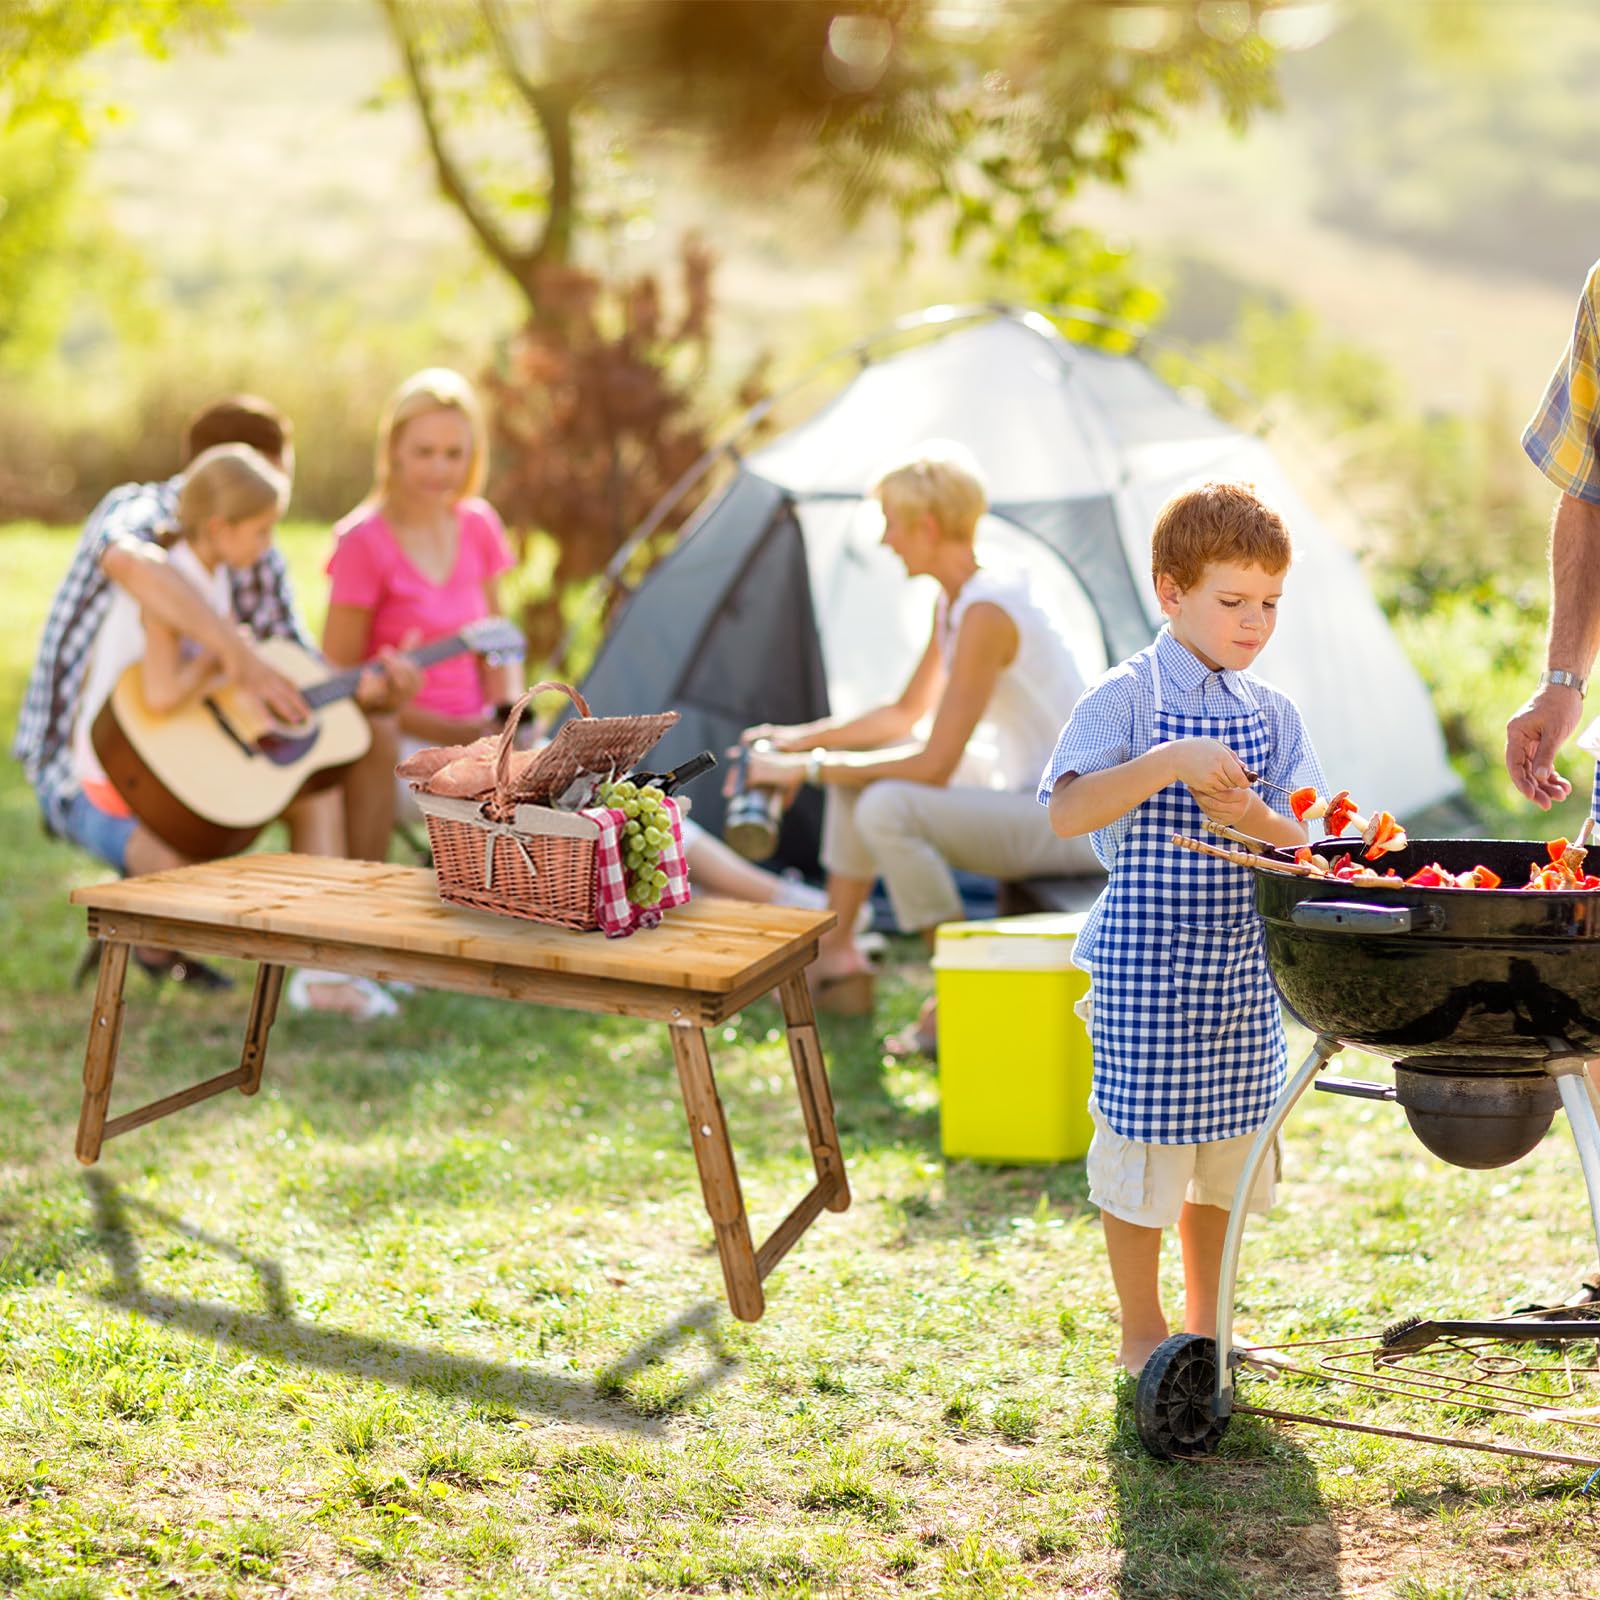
x: 177, y: 968
x: 912, y: 1041
x: 358, y: 998
x: 847, y: 994
x: 921, y: 1038
x: 183, y: 969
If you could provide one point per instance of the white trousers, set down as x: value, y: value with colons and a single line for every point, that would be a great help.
x: 913, y: 834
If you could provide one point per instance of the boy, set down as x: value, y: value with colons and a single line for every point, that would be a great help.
x: 1189, y: 1050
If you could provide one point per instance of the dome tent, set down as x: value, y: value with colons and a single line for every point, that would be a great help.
x: 779, y: 604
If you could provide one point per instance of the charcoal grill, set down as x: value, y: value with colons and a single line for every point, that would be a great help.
x: 1487, y: 1003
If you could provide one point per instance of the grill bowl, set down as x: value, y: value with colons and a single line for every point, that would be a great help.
x: 1495, y: 979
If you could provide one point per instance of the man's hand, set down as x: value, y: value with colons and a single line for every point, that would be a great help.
x: 388, y: 682
x: 1535, y: 735
x: 1207, y: 766
x: 252, y: 673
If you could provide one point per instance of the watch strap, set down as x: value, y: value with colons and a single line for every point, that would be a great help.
x: 1564, y: 679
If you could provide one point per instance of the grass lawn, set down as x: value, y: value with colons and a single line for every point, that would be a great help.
x: 438, y: 1314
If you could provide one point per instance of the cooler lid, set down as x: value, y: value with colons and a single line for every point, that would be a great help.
x: 1041, y: 943
x: 1039, y: 925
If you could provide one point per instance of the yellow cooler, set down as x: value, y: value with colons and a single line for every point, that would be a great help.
x: 1014, y: 1059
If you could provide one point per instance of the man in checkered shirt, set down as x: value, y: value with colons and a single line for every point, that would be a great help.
x: 119, y: 544
x: 1562, y: 440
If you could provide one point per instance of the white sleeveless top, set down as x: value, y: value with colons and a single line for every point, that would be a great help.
x: 120, y: 643
x: 1033, y: 696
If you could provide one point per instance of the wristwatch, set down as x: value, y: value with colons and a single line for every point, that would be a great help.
x: 814, y: 766
x: 1564, y: 679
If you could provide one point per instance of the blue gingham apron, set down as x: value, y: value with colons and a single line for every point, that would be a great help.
x: 1188, y: 1040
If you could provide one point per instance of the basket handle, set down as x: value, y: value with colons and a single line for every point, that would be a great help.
x: 502, y: 751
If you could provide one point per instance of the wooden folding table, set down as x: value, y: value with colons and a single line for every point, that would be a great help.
x: 706, y: 961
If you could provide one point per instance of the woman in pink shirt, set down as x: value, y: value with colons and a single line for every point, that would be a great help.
x: 421, y: 556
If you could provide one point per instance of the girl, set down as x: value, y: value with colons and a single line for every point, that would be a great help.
x: 229, y: 502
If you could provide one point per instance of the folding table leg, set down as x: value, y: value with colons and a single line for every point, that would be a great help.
x: 263, y: 1008
x: 719, y: 1179
x: 100, y: 1059
x: 816, y: 1099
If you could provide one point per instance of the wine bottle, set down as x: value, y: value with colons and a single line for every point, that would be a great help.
x: 684, y: 772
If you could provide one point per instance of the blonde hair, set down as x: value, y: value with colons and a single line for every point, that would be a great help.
x: 1217, y: 522
x: 432, y: 389
x: 231, y: 481
x: 942, y: 481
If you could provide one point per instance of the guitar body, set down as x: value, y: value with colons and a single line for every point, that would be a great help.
x: 209, y: 777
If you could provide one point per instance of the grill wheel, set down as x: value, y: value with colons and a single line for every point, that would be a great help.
x: 1172, y: 1404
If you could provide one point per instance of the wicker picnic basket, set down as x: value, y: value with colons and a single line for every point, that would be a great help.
x: 513, y: 853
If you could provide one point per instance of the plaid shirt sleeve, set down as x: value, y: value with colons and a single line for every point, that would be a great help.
x: 1098, y: 734
x: 1560, y: 439
x: 263, y: 600
x: 44, y: 725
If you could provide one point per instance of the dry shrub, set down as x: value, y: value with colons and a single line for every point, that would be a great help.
x: 598, y: 407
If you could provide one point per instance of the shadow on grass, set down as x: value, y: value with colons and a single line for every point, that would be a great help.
x: 279, y: 1335
x: 1248, y: 1522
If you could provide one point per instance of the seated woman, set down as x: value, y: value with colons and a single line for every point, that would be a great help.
x: 421, y: 557
x: 914, y: 812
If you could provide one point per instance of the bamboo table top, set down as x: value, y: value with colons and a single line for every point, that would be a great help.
x: 709, y: 947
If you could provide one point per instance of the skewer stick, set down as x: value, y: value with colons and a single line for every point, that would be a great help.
x: 1233, y: 833
x: 1572, y: 857
x: 1246, y: 858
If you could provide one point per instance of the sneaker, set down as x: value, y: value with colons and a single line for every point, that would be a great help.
x: 339, y: 994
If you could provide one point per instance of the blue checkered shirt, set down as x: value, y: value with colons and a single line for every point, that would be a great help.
x: 1114, y: 721
x: 262, y: 599
x: 1561, y: 436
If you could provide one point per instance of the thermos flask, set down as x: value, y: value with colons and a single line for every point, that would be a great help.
x: 754, y: 814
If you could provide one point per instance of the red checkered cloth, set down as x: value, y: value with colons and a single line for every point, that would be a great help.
x: 613, y: 910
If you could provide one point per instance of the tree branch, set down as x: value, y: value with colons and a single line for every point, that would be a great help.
x: 551, y: 106
x: 518, y: 264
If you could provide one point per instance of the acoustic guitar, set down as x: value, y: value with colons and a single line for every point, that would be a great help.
x: 208, y: 777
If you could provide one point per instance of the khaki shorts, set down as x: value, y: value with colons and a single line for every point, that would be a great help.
x: 1147, y: 1184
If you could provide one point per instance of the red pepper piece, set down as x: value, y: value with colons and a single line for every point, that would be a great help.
x: 1340, y: 810
x: 1557, y: 848
x: 1429, y: 877
x: 1301, y: 801
x: 1486, y: 878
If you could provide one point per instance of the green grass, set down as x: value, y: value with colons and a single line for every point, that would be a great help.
x: 437, y: 1313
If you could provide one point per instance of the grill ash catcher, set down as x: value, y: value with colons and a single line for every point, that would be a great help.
x: 1487, y: 1002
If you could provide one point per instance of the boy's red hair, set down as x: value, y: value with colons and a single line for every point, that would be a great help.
x: 1217, y: 522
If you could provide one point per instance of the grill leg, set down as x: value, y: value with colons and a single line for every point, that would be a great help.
x: 1578, y: 1101
x: 1228, y: 1275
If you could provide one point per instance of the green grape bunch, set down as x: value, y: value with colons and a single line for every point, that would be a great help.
x: 645, y: 836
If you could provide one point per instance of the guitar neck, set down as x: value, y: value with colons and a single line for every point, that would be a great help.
x: 343, y: 684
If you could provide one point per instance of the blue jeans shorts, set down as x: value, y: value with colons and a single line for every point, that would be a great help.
x: 101, y: 834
